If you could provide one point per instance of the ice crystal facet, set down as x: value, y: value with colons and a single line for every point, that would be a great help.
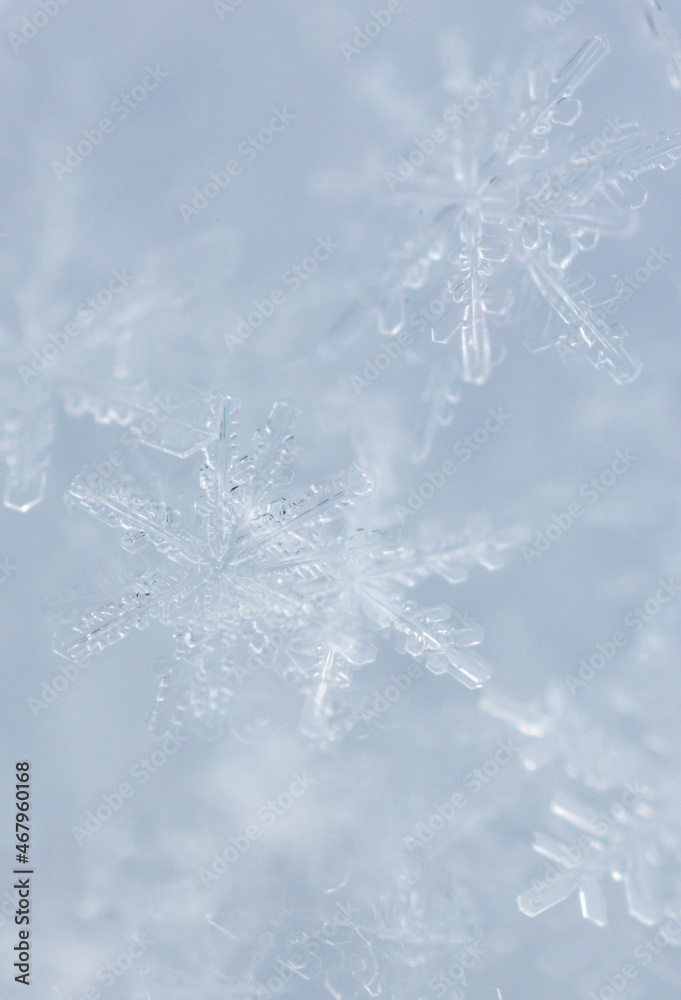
x: 253, y: 578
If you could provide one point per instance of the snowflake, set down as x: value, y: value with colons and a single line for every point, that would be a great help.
x: 635, y: 841
x: 507, y: 212
x: 667, y: 37
x: 253, y: 578
x: 91, y: 369
x: 561, y: 730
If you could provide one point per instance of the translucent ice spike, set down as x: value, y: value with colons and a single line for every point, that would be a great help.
x: 25, y: 440
x: 391, y: 312
x: 578, y: 68
x: 275, y: 448
x: 463, y: 664
x: 576, y: 813
x: 150, y: 598
x: 427, y: 632
x: 478, y: 255
x: 474, y: 334
x: 604, y: 343
x: 527, y: 719
x: 667, y: 37
x: 592, y: 901
x: 662, y: 154
x: 554, y: 104
x: 143, y: 519
x: 437, y: 406
x: 638, y: 886
x: 543, y: 897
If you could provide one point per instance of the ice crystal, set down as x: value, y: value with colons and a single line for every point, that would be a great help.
x: 632, y: 834
x: 253, y: 578
x: 633, y: 841
x: 507, y: 212
x: 28, y: 430
x: 561, y: 730
x: 377, y: 936
x: 667, y: 37
x: 92, y: 370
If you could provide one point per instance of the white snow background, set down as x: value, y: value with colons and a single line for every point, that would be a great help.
x: 414, y: 910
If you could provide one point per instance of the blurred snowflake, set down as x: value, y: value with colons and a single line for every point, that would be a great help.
x: 667, y: 38
x: 501, y: 214
x: 635, y: 840
x: 94, y: 359
x: 561, y: 731
x: 377, y: 935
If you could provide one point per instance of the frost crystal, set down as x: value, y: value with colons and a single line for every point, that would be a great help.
x: 91, y: 368
x: 633, y: 840
x: 253, y: 579
x: 507, y: 213
x: 377, y: 936
x: 561, y: 731
x: 631, y: 835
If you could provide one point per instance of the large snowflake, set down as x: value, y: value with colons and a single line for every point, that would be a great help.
x: 253, y: 578
x: 507, y: 211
